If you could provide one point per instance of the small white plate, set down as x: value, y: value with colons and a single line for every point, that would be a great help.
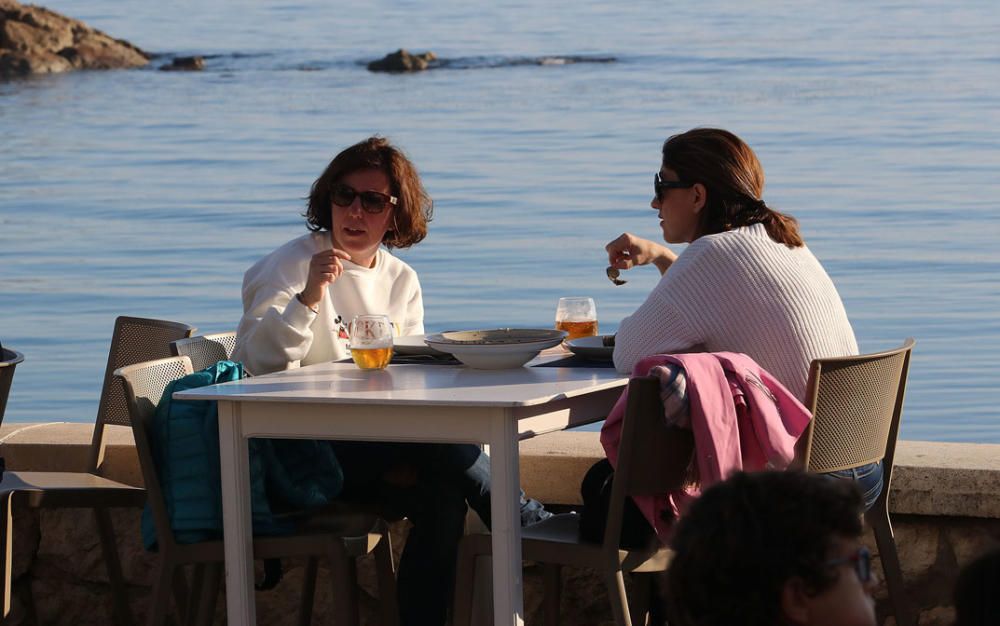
x: 412, y: 345
x: 592, y: 348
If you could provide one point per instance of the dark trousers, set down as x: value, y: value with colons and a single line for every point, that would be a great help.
x: 448, y: 477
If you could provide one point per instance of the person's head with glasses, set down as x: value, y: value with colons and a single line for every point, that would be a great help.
x: 369, y: 195
x: 710, y: 181
x: 773, y: 548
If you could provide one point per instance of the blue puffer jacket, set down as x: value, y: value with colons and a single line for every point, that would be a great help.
x: 287, y: 476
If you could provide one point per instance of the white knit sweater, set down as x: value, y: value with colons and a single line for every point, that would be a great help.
x: 278, y: 332
x: 740, y: 291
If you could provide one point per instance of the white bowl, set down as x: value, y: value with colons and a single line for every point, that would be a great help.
x: 501, y: 348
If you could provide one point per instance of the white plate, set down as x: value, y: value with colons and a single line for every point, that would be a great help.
x: 411, y: 345
x: 591, y: 348
x: 504, y: 336
x: 493, y: 355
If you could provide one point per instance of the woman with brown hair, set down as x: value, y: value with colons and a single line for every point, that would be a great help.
x: 745, y: 283
x: 300, y: 299
x: 298, y: 302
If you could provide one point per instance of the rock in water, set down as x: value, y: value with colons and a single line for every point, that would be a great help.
x: 402, y: 61
x: 35, y: 40
x: 185, y: 64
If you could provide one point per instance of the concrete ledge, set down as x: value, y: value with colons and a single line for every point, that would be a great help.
x: 65, y: 447
x: 945, y: 500
x: 930, y: 478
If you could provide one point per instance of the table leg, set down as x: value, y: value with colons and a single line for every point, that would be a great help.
x: 237, y: 525
x: 508, y: 599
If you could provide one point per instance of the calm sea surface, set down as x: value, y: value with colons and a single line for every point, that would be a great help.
x: 149, y: 193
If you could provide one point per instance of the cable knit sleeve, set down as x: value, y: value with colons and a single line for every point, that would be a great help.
x: 656, y: 327
x: 275, y: 330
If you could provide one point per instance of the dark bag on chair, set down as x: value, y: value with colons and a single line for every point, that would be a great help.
x: 596, y: 491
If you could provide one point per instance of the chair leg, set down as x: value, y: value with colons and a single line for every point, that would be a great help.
x: 385, y: 570
x: 162, y: 588
x: 109, y: 546
x: 552, y: 585
x: 308, y: 596
x: 640, y: 599
x: 182, y: 595
x: 194, y: 600
x: 344, y: 599
x: 354, y: 590
x: 6, y: 534
x: 209, y: 593
x: 615, y: 582
x: 878, y: 518
x: 465, y: 574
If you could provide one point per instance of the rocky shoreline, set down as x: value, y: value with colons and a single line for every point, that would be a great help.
x: 36, y: 40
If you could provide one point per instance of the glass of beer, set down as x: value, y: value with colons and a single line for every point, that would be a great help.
x: 577, y: 316
x: 371, y: 341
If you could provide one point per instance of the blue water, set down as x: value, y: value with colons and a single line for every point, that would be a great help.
x: 149, y: 193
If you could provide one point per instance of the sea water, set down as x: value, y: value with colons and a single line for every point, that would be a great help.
x: 149, y: 193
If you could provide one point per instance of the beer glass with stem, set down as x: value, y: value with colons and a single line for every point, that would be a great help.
x: 577, y: 316
x: 371, y: 341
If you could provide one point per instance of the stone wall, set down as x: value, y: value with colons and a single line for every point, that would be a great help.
x: 945, y: 503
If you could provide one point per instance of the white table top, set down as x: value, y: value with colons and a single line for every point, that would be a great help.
x: 435, y: 384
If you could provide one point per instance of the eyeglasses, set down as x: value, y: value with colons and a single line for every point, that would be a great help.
x: 371, y: 201
x: 862, y: 562
x: 659, y: 185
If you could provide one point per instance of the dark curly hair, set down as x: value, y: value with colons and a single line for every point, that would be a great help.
x: 410, y: 215
x: 743, y: 538
x: 733, y: 179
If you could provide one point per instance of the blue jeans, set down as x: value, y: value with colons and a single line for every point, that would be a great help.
x: 868, y: 479
x: 448, y: 478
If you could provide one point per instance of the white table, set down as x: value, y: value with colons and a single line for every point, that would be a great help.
x: 440, y: 403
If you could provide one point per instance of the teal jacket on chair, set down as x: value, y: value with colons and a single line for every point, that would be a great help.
x: 288, y: 477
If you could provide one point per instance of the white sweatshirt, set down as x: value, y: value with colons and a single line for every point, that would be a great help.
x: 740, y: 291
x: 278, y: 332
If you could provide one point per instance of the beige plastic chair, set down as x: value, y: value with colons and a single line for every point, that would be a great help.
x: 8, y: 362
x: 857, y: 402
x: 340, y: 537
x: 135, y: 339
x: 205, y: 350
x: 653, y: 459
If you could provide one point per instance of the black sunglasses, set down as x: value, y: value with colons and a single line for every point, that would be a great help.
x: 862, y: 562
x: 659, y: 185
x: 371, y: 201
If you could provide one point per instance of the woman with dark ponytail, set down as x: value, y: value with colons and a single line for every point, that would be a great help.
x: 746, y: 283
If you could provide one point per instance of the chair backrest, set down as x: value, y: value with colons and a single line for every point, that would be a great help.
x: 205, y: 350
x: 653, y: 457
x: 135, y: 340
x: 856, y: 402
x: 142, y: 386
x: 8, y: 361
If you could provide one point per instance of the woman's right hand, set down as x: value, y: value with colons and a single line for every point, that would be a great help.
x: 324, y: 268
x: 628, y: 251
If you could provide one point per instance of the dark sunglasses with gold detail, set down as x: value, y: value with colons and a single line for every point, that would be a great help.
x: 371, y: 201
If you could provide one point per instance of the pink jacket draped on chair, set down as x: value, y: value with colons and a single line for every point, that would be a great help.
x: 741, y: 416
